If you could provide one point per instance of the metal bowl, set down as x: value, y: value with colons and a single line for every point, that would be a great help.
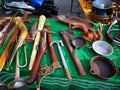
x: 102, y: 4
x: 102, y: 48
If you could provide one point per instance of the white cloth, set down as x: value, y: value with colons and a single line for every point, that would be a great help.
x: 21, y: 5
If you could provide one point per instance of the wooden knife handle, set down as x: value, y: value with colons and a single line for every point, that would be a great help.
x: 109, y: 37
x: 68, y: 74
x: 35, y: 67
x: 76, y: 60
x: 38, y: 59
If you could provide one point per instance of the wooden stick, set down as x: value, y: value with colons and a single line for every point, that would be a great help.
x: 52, y: 51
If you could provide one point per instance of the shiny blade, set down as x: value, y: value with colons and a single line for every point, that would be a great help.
x: 33, y: 30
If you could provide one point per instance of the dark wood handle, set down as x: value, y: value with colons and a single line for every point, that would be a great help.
x: 76, y: 60
x: 35, y: 67
x: 52, y: 52
x: 109, y: 37
x: 36, y: 64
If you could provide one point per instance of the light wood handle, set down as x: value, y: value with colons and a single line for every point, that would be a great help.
x: 68, y: 74
x: 42, y: 19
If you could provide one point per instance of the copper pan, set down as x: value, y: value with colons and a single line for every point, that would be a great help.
x: 102, y: 67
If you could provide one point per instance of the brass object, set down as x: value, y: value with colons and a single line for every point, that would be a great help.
x: 97, y: 18
x: 46, y: 70
x: 102, y: 67
x: 101, y: 11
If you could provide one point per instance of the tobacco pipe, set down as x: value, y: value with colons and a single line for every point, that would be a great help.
x: 6, y: 52
x: 35, y: 66
x: 76, y: 59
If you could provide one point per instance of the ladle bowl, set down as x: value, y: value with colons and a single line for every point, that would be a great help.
x: 78, y: 42
x: 16, y: 84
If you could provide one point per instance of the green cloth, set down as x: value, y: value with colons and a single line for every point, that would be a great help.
x: 58, y: 79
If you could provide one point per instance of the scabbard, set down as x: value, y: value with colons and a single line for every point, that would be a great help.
x: 52, y: 51
x: 38, y: 59
x: 75, y: 58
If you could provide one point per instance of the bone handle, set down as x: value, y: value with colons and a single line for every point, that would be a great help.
x: 42, y: 19
x: 17, y: 72
x: 76, y: 60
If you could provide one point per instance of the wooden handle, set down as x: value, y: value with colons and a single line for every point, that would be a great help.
x: 68, y: 74
x: 109, y: 37
x: 76, y: 60
x: 36, y: 64
x: 42, y: 19
x: 52, y: 52
x: 35, y: 67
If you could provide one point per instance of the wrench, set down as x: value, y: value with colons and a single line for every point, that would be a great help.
x: 59, y: 44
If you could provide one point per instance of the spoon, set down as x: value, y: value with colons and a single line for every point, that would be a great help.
x: 17, y: 82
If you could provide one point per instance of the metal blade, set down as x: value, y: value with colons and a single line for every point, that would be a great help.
x: 33, y: 29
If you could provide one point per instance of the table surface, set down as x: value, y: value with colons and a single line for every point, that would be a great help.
x: 58, y: 78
